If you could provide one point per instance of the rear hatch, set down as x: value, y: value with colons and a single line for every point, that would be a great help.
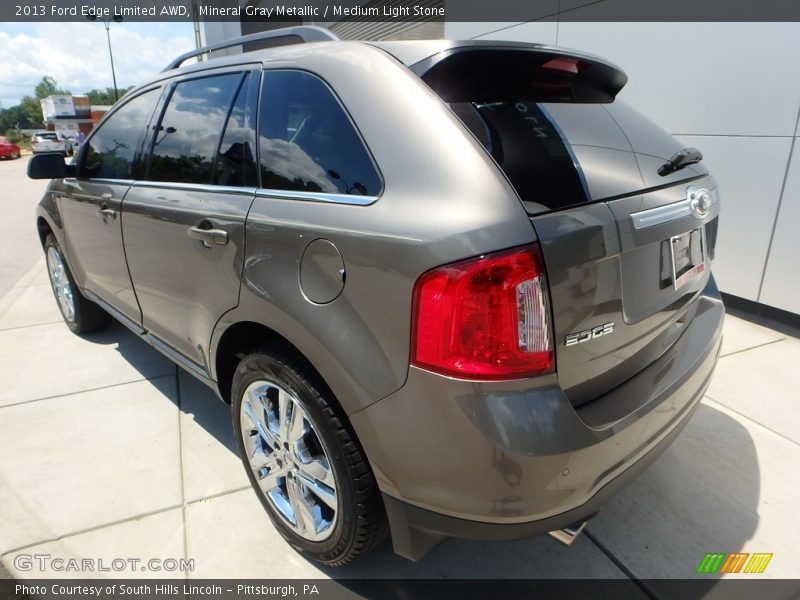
x: 627, y: 250
x: 46, y: 141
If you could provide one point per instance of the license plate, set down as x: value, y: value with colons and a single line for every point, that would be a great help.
x: 688, y: 256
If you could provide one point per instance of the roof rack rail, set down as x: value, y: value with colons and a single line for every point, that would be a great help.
x: 307, y: 33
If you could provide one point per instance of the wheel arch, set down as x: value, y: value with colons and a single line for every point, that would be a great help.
x: 243, y: 337
x: 43, y: 228
x: 48, y: 219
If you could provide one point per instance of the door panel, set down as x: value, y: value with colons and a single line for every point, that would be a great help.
x: 90, y: 210
x: 184, y: 284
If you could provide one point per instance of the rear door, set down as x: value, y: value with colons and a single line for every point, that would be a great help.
x: 90, y: 204
x: 625, y: 249
x: 183, y: 224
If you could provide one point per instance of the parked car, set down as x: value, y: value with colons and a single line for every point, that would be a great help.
x: 51, y: 141
x: 450, y: 288
x: 8, y: 149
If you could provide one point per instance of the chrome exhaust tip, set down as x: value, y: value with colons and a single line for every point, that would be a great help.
x: 569, y: 534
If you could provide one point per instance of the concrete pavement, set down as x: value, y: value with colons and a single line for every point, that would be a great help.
x: 18, y: 198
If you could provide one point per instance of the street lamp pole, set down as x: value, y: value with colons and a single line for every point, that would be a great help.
x: 111, y: 57
x: 92, y: 16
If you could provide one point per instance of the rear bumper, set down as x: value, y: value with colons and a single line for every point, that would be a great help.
x: 44, y: 150
x: 504, y: 460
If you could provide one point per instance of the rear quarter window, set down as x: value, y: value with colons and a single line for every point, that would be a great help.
x: 307, y: 142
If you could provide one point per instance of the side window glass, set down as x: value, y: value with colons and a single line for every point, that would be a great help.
x: 187, y: 136
x: 235, y: 164
x: 307, y: 142
x: 113, y: 150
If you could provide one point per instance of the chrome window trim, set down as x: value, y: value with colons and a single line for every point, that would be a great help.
x: 74, y: 180
x: 317, y: 197
x: 195, y: 187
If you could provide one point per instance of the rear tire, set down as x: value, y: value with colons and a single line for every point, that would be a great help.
x: 80, y: 315
x: 308, y: 469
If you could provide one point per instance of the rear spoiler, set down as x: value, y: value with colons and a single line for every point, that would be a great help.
x: 491, y: 72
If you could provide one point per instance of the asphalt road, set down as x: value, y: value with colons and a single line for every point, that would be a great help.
x: 19, y: 243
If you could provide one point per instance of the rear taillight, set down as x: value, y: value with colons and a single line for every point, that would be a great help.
x: 484, y: 318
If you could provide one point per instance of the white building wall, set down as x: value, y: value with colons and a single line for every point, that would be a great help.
x: 732, y: 90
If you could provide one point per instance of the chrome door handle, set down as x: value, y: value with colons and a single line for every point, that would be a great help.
x: 209, y: 237
x: 107, y: 214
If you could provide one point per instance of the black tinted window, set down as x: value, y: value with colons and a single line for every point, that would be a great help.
x: 529, y: 148
x: 235, y: 164
x: 187, y: 136
x: 112, y: 151
x: 307, y: 141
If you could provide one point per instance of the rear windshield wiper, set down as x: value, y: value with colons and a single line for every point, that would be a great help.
x: 682, y: 158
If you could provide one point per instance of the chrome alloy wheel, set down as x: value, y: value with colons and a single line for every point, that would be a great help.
x: 61, y: 285
x: 288, y: 460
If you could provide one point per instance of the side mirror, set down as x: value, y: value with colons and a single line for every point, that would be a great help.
x: 50, y: 166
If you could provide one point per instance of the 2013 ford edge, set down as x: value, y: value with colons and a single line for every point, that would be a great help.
x: 448, y: 288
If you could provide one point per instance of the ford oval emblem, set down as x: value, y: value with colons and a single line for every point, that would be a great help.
x: 700, y: 201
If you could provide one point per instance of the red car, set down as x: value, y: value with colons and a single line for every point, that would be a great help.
x: 8, y: 149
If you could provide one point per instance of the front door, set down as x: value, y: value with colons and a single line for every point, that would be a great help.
x: 90, y: 205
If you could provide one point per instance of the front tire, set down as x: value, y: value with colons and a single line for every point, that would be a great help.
x: 304, y: 461
x: 80, y: 315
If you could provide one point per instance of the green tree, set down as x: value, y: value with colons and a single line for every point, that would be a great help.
x: 31, y: 107
x: 31, y: 111
x: 106, y: 96
x: 49, y: 87
x: 11, y: 118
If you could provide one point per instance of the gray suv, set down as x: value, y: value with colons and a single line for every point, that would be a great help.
x: 449, y: 289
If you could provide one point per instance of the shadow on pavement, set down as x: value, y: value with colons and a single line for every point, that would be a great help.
x: 192, y: 396
x: 700, y: 496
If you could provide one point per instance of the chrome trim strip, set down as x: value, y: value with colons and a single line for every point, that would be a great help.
x: 74, y: 180
x: 661, y: 214
x: 114, y: 312
x: 317, y: 197
x: 676, y: 210
x: 197, y: 370
x: 176, y: 356
x: 195, y: 187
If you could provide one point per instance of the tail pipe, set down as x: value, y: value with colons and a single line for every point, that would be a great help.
x: 569, y: 534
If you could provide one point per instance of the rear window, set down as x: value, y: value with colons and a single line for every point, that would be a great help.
x: 187, y: 139
x: 47, y: 136
x: 501, y: 93
x: 524, y: 141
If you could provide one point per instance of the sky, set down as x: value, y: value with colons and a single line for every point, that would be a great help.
x: 76, y: 54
